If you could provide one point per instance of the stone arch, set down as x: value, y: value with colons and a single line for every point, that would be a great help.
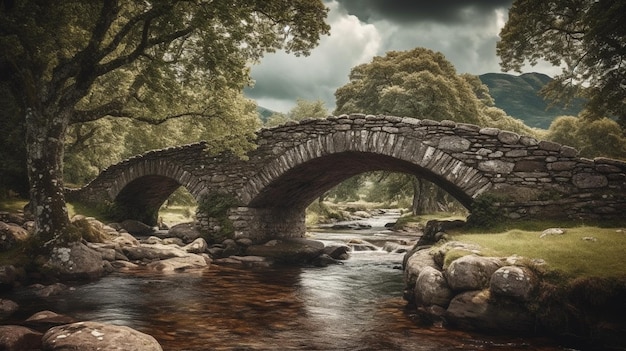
x: 359, y: 149
x: 139, y: 189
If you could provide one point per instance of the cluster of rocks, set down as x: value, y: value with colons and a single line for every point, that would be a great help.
x: 129, y: 246
x: 453, y: 284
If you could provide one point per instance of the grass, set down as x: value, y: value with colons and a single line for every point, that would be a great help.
x: 567, y: 254
x: 12, y: 205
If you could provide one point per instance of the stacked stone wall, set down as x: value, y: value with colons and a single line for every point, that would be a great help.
x: 533, y: 179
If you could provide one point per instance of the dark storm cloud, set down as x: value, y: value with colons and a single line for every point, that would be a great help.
x: 409, y: 11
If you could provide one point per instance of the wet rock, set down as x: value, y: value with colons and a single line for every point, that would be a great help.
x: 338, y: 252
x: 92, y: 336
x: 324, y: 260
x: 431, y: 288
x: 247, y: 261
x: 197, y: 246
x: 47, y: 319
x: 361, y: 245
x: 187, y: 232
x: 124, y: 265
x: 414, y: 265
x: 19, y: 338
x: 136, y: 228
x: 513, y: 281
x: 11, y: 235
x: 471, y: 272
x: 396, y: 247
x: 75, y: 262
x: 173, y: 241
x: 125, y: 239
x: 179, y: 264
x: 230, y: 248
x: 7, y: 308
x: 293, y: 250
x: 152, y: 252
x: 476, y: 310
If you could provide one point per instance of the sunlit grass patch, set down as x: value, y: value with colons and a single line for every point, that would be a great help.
x: 600, y: 255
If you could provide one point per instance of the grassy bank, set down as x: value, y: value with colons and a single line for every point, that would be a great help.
x: 583, y: 251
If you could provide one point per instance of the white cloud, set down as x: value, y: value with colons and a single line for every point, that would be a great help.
x: 467, y: 39
x: 281, y: 78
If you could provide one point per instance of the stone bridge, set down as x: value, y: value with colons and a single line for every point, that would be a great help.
x: 264, y: 195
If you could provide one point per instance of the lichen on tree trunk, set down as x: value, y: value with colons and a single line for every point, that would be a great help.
x: 45, y: 135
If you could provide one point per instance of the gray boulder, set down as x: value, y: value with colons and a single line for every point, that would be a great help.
x: 414, y: 265
x: 92, y: 336
x: 513, y: 281
x: 179, y: 264
x: 187, y: 232
x: 471, y: 272
x: 338, y: 252
x: 431, y: 288
x: 197, y: 246
x: 75, y: 262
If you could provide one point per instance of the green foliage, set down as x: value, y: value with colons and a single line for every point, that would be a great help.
x: 303, y: 109
x: 419, y: 83
x: 77, y: 62
x: 593, y: 138
x: 484, y: 212
x: 584, y: 37
x: 216, y: 206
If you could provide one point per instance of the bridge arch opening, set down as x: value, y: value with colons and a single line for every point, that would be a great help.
x: 301, y: 185
x: 142, y: 198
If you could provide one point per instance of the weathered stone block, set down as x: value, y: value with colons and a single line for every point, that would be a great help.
x: 454, y: 144
x: 496, y: 166
x: 589, y: 180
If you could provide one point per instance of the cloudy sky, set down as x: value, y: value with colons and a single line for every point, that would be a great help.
x: 465, y: 31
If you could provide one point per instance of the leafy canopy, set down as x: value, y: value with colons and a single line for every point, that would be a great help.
x: 150, y: 60
x: 587, y: 38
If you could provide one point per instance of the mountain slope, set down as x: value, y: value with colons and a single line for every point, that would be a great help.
x: 519, y: 97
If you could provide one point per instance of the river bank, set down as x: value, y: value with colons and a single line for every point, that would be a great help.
x: 228, y: 257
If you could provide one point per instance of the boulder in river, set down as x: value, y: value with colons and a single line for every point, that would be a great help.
x: 471, y: 272
x: 92, y: 336
x: 292, y: 250
x: 75, y: 262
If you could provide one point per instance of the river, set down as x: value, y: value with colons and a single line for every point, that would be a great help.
x: 354, y: 306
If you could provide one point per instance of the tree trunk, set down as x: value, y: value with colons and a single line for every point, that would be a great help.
x: 45, y: 133
x: 417, y: 206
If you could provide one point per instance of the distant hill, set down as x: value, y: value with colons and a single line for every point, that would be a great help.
x: 264, y: 113
x: 519, y: 97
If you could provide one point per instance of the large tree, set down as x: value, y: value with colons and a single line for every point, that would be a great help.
x: 587, y: 38
x: 76, y: 61
x: 420, y: 83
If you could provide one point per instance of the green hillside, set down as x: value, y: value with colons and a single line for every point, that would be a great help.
x: 264, y: 113
x: 519, y: 97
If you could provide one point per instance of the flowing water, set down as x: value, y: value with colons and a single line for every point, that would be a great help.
x: 354, y: 306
